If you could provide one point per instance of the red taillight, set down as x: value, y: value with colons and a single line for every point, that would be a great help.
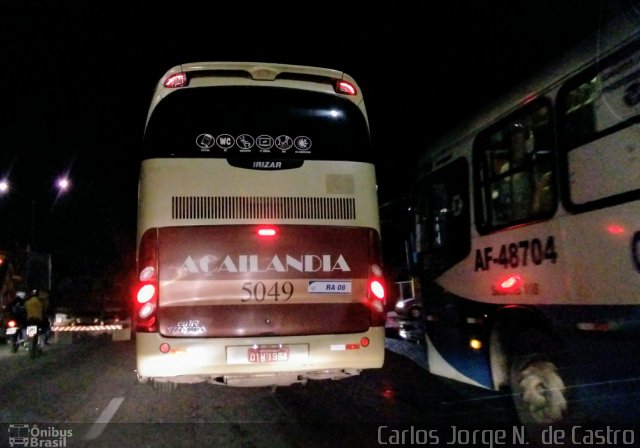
x: 12, y: 324
x: 376, y: 285
x: 146, y: 293
x: 511, y: 284
x: 267, y: 232
x: 377, y: 289
x: 346, y: 88
x: 176, y: 80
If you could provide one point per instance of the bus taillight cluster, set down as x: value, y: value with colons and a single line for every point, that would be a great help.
x: 376, y: 284
x: 146, y: 294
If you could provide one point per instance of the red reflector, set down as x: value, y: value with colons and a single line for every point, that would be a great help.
x: 345, y: 87
x: 267, y: 231
x: 352, y: 346
x: 165, y: 348
x: 176, y: 80
x: 615, y: 229
x: 364, y: 342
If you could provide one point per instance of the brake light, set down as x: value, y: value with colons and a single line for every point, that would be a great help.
x: 146, y: 293
x: 12, y: 324
x: 377, y: 289
x: 267, y: 232
x: 346, y: 88
x: 176, y: 80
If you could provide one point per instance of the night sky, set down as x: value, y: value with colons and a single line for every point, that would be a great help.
x: 77, y: 79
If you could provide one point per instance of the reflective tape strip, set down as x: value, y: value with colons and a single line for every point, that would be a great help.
x: 86, y: 328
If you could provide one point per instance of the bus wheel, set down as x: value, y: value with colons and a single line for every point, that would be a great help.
x: 537, y: 386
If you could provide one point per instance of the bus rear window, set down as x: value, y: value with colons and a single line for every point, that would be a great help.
x: 232, y: 122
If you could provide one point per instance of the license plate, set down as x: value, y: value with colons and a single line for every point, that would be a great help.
x: 268, y: 354
x: 12, y: 330
x: 32, y: 330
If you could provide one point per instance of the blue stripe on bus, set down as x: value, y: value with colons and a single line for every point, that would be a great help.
x: 597, y: 341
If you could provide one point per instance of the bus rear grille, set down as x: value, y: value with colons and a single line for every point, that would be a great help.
x: 235, y: 207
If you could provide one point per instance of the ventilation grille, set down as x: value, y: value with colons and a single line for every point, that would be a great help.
x: 215, y: 207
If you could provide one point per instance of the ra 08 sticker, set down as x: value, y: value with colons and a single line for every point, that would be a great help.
x: 329, y: 287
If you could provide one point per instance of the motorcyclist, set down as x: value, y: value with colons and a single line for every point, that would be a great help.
x: 34, y: 310
x: 18, y: 314
x: 16, y: 308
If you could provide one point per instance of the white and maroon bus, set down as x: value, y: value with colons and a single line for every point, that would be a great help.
x: 258, y: 256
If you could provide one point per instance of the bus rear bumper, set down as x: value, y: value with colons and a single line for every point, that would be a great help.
x: 253, y: 362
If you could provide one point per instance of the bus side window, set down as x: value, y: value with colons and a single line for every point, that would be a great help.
x: 442, y: 218
x: 516, y: 183
x: 579, y: 119
x: 543, y: 201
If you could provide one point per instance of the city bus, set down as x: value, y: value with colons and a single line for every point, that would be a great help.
x: 526, y: 238
x: 258, y: 240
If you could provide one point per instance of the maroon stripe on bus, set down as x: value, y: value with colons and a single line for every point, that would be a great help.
x: 263, y: 320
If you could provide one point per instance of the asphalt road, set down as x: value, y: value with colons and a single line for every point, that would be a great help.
x: 89, y: 387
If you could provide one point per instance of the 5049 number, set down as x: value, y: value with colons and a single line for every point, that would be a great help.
x: 259, y: 291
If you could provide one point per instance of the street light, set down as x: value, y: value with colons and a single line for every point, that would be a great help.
x: 62, y: 184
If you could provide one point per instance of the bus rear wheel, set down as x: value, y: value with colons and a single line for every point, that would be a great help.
x: 538, y: 392
x: 537, y: 385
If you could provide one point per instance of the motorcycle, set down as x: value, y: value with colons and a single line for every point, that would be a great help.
x: 15, y: 335
x: 28, y: 337
x: 33, y: 341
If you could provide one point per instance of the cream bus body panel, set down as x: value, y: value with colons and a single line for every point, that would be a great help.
x: 543, y: 283
x: 203, y: 359
x: 602, y: 269
x: 163, y: 179
x: 260, y: 73
x: 587, y: 271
